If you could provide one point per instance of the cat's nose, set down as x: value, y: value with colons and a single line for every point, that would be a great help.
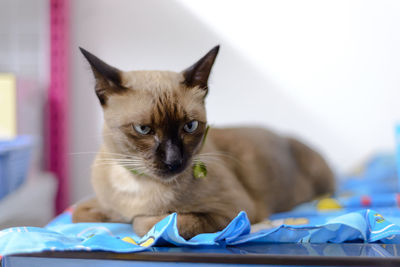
x: 172, y: 157
x: 173, y: 166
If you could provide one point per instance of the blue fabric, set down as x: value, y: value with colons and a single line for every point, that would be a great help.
x: 369, y: 213
x: 15, y: 156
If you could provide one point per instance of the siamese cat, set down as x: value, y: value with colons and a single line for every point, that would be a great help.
x: 158, y: 157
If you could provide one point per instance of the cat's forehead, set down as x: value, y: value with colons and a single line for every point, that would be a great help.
x: 152, y: 98
x: 152, y: 80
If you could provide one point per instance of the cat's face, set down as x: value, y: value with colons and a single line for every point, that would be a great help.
x: 158, y: 122
x: 154, y: 120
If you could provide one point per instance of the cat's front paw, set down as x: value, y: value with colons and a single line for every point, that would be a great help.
x: 192, y: 224
x: 142, y: 224
x: 189, y: 225
x: 89, y: 211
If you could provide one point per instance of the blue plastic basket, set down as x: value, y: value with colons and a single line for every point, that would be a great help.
x: 15, y: 157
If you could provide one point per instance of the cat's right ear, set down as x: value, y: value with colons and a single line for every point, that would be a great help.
x: 108, y: 78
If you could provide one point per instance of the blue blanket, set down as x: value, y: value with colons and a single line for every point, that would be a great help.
x: 365, y: 209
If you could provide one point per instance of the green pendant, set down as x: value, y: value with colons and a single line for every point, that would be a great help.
x: 199, y: 167
x: 199, y: 170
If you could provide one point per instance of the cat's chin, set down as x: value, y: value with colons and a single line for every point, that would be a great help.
x: 168, y: 179
x: 165, y: 178
x: 168, y: 176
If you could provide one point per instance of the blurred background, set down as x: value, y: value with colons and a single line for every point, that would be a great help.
x: 324, y: 71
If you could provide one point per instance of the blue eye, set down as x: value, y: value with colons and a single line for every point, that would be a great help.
x: 190, y: 127
x: 142, y: 129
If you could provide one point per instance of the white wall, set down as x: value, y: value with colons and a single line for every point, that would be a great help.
x: 338, y: 60
x: 323, y: 70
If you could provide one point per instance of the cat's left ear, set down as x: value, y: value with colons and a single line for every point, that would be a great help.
x: 198, y: 73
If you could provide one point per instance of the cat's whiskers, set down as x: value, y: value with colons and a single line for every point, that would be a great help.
x: 206, y: 159
x: 138, y: 165
x: 103, y: 153
x: 212, y: 158
x: 119, y: 160
x: 132, y: 163
x: 218, y: 155
x: 129, y: 166
x: 118, y: 154
x: 137, y: 169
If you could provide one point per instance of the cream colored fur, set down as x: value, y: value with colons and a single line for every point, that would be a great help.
x: 249, y: 169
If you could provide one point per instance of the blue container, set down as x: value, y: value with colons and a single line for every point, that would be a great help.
x: 397, y: 132
x: 15, y: 157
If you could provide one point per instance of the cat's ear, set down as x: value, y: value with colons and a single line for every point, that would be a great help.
x: 198, y: 73
x: 108, y: 78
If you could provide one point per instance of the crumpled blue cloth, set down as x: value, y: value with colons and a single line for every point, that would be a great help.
x: 364, y: 225
x: 380, y: 222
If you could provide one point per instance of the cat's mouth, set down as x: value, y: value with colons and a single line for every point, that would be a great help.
x: 161, y: 170
x: 167, y: 171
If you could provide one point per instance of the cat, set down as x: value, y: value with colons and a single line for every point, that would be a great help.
x: 158, y: 157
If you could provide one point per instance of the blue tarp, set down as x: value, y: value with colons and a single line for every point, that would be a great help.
x: 367, y: 211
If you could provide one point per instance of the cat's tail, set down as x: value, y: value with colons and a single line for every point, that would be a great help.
x: 313, y: 167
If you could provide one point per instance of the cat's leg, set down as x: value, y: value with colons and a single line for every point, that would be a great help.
x: 189, y: 224
x: 91, y: 211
